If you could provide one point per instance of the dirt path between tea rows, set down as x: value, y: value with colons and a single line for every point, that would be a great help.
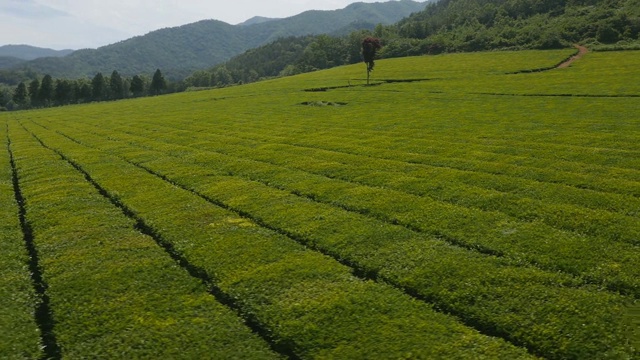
x: 581, y: 52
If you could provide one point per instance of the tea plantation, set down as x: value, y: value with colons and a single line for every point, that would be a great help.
x: 480, y: 206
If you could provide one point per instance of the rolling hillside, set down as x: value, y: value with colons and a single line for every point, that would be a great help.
x: 462, y: 206
x: 26, y: 52
x: 14, y: 55
x: 476, y: 25
x: 446, y: 26
x: 181, y: 50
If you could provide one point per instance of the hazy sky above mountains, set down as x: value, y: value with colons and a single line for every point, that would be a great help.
x: 76, y: 24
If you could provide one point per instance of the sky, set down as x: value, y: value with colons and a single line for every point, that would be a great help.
x: 78, y: 24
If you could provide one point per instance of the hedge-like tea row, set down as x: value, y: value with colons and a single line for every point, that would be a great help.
x: 582, y: 181
x: 307, y: 302
x: 19, y: 333
x: 542, y: 157
x: 426, y: 160
x: 433, y: 179
x: 462, y: 158
x: 433, y: 139
x: 578, y: 159
x: 436, y: 151
x: 522, y: 152
x: 114, y: 293
x: 602, y: 260
x: 607, y: 215
x: 546, y: 311
x: 456, y: 187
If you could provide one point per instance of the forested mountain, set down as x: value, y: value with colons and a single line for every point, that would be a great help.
x: 180, y: 51
x: 177, y: 50
x: 446, y: 26
x: 283, y: 57
x: 14, y: 55
x: 257, y: 20
x: 9, y: 61
x: 473, y: 25
x: 443, y: 26
x: 26, y: 52
x: 326, y: 22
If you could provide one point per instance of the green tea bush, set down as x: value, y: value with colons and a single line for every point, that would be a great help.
x: 19, y: 331
x: 461, y: 184
x: 473, y: 286
x: 274, y: 280
x: 113, y: 291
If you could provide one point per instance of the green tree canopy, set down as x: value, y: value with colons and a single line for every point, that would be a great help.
x: 116, y: 84
x: 64, y: 92
x: 158, y: 83
x: 222, y: 76
x: 99, y: 87
x: 21, y: 94
x: 84, y: 92
x: 34, y: 90
x: 137, y: 86
x: 370, y: 46
x: 45, y: 94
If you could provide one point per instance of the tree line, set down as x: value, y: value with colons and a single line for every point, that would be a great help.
x: 285, y: 57
x: 480, y: 25
x: 47, y: 92
x: 444, y: 26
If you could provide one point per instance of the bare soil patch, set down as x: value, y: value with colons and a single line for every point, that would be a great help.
x: 581, y: 52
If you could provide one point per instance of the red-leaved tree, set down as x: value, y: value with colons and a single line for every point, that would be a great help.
x: 370, y: 46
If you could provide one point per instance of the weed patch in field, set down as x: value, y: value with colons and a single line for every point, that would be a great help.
x: 323, y: 103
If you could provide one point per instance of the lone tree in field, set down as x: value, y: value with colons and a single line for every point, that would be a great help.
x: 369, y: 47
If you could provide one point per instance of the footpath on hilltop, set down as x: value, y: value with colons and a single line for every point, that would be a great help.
x: 582, y: 50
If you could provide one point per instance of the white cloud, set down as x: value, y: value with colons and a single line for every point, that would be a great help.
x: 28, y: 9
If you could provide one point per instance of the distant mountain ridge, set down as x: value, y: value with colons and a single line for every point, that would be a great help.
x: 27, y: 52
x: 181, y: 50
x: 12, y: 56
x: 257, y: 20
x: 9, y: 62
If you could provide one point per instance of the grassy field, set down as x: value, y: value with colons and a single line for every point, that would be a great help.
x: 462, y: 206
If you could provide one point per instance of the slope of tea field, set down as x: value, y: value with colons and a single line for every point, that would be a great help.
x: 462, y: 206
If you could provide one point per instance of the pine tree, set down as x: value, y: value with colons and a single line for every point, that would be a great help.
x: 45, y: 95
x: 84, y: 92
x: 98, y: 87
x: 158, y: 84
x: 64, y: 93
x: 137, y: 86
x: 21, y: 94
x: 34, y: 90
x: 117, y: 85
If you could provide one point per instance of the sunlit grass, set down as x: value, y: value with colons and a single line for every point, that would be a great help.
x: 511, y: 201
